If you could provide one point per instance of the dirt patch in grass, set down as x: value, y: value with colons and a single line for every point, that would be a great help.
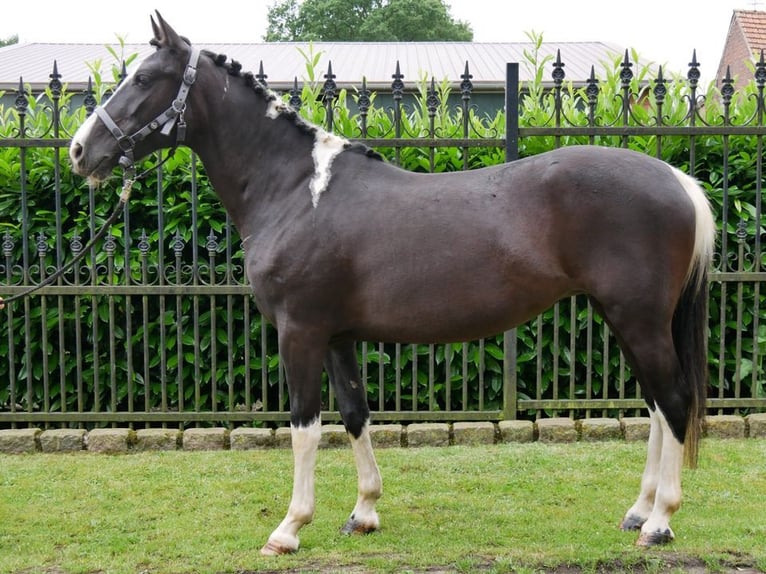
x: 672, y: 563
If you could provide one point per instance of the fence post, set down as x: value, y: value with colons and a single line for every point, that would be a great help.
x: 511, y: 111
x: 510, y: 380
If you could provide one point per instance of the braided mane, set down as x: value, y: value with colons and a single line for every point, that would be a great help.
x: 234, y: 68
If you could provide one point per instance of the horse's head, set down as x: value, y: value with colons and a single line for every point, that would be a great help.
x: 146, y: 112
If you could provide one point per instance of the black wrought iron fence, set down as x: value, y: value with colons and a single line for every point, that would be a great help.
x: 157, y: 326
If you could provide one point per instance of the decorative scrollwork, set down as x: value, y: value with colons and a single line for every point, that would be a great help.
x: 432, y: 99
x: 760, y: 71
x: 8, y: 244
x: 42, y: 244
x: 260, y: 76
x: 212, y: 245
x: 693, y: 75
x: 727, y: 87
x: 558, y: 73
x: 75, y: 244
x: 110, y: 245
x: 741, y: 232
x: 397, y: 86
x: 660, y: 89
x: 55, y: 84
x: 295, y: 101
x: 178, y: 244
x: 626, y: 74
x: 89, y: 102
x: 329, y: 87
x: 143, y: 244
x: 466, y: 85
x: 364, y: 102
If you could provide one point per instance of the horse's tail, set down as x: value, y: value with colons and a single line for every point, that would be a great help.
x: 690, y: 317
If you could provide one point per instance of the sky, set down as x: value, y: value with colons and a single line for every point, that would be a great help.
x: 662, y: 31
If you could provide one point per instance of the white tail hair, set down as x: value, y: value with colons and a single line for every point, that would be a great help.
x: 704, y: 231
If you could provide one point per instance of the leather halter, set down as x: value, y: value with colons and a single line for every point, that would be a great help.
x: 166, y: 120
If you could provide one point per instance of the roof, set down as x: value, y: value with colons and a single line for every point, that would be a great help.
x: 744, y: 41
x: 753, y: 24
x: 351, y: 61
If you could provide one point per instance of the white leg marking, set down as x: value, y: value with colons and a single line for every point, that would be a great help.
x: 639, y: 512
x: 364, y: 518
x: 301, y: 511
x: 667, y: 498
x: 326, y: 147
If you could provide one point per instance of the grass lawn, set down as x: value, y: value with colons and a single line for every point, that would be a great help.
x: 502, y: 508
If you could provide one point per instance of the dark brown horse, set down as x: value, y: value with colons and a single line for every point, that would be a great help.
x: 341, y: 246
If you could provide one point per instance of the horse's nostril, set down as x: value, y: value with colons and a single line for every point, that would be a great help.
x: 76, y: 151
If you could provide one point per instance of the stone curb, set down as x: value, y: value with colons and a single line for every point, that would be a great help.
x: 110, y: 441
x: 20, y: 441
x: 553, y: 430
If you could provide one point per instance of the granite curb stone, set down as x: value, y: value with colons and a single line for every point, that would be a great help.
x: 556, y: 430
x: 635, y: 428
x: 596, y: 430
x: 110, y: 440
x: 428, y: 434
x: 756, y: 425
x: 725, y: 426
x: 516, y: 431
x: 206, y: 439
x: 333, y: 436
x: 249, y: 438
x: 19, y: 441
x: 62, y: 440
x: 386, y: 436
x: 473, y: 433
x: 157, y: 439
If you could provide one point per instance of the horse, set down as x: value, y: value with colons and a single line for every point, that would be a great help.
x: 342, y: 246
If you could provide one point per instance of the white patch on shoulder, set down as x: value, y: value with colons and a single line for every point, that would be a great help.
x: 326, y: 147
x: 275, y: 108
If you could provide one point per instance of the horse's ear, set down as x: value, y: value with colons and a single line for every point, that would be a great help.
x: 164, y: 35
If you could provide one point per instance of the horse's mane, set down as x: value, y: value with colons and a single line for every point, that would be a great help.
x: 234, y: 68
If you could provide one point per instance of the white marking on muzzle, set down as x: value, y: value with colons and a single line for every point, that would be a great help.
x: 326, y: 147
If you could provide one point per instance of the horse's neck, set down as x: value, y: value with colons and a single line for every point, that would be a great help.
x: 255, y: 161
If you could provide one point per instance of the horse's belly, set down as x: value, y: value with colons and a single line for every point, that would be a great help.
x: 451, y: 311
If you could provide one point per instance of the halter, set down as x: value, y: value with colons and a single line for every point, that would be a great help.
x: 166, y: 120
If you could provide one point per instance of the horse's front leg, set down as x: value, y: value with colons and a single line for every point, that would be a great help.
x: 302, y: 359
x: 342, y: 366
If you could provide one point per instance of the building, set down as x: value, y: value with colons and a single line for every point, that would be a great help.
x: 745, y: 41
x: 285, y: 62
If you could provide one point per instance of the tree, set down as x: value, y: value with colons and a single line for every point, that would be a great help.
x: 9, y: 40
x: 364, y: 21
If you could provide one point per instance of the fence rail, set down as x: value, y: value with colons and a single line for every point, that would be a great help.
x: 157, y: 326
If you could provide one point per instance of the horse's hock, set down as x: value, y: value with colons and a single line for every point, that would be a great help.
x: 554, y: 430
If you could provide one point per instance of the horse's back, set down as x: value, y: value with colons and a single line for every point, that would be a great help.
x: 431, y: 256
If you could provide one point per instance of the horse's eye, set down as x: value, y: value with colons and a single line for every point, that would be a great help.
x: 141, y: 80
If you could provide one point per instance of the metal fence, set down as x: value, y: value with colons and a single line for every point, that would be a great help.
x: 157, y: 327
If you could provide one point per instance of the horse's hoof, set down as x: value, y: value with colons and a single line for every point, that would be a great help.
x: 632, y: 522
x: 275, y: 549
x: 656, y: 538
x: 355, y: 527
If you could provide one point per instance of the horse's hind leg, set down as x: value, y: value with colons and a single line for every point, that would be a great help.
x: 640, y: 511
x: 343, y: 369
x: 646, y: 339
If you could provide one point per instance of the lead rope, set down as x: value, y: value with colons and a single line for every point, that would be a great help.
x: 129, y: 178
